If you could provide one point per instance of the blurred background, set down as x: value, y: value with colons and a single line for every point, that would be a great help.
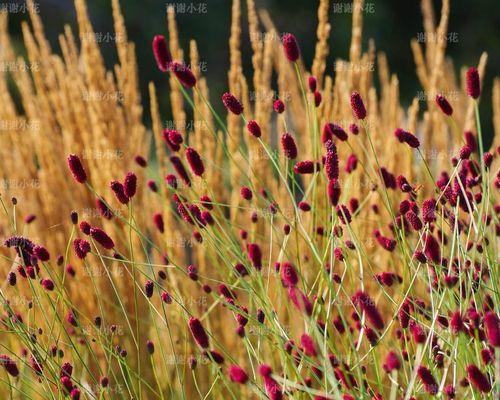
x: 474, y: 27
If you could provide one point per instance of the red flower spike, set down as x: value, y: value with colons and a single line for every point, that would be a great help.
x: 473, y: 83
x: 198, y: 332
x: 290, y: 47
x: 195, y: 162
x: 76, y: 168
x: 183, y: 74
x: 357, y: 105
x: 289, y: 146
x: 162, y: 54
x: 232, y: 104
x: 444, y: 105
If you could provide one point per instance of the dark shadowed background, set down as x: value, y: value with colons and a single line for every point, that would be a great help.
x: 474, y: 27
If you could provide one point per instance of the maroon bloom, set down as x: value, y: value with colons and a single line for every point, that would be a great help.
x: 273, y: 389
x: 76, y: 168
x: 473, y: 84
x: 254, y: 128
x: 300, y: 300
x: 312, y: 83
x: 279, y: 106
x: 414, y: 220
x: 392, y: 362
x: 41, y: 253
x: 198, y: 332
x: 444, y: 105
x: 428, y: 208
x: 330, y: 130
x: 385, y: 242
x: 246, y: 193
x: 357, y: 105
x: 183, y: 74
x: 308, y: 345
x: 237, y: 374
x: 331, y: 161
x: 428, y: 380
x: 158, y: 222
x: 167, y: 136
x: 181, y: 171
x: 432, y: 249
x: 289, y: 146
x: 367, y: 305
x: 102, y: 238
x: 47, y: 284
x: 479, y: 380
x: 333, y: 191
x: 305, y: 167
x: 81, y: 247
x: 195, y: 161
x: 130, y: 184
x: 351, y: 163
x: 140, y: 161
x: 492, y: 325
x: 291, y: 47
x: 289, y: 275
x: 119, y: 191
x: 162, y: 54
x: 407, y: 137
x: 9, y: 365
x: 232, y: 103
x: 255, y: 255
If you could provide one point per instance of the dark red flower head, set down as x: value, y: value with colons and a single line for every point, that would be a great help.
x: 392, y: 362
x: 195, y: 162
x: 141, y: 161
x: 162, y: 54
x: 246, y: 193
x: 102, y: 238
x: 333, y: 191
x: 232, y: 103
x: 9, y: 365
x: 330, y: 130
x: 357, y: 105
x: 444, y: 105
x: 473, y: 83
x: 312, y: 83
x: 183, y: 74
x: 289, y: 275
x: 254, y: 128
x: 279, y: 106
x: 198, y: 332
x: 289, y: 146
x: 291, y: 47
x: 366, y: 304
x: 255, y: 255
x: 331, y: 161
x: 308, y: 345
x: 76, y: 168
x: 119, y: 191
x: 479, y: 380
x: 305, y: 167
x: 181, y: 171
x: 237, y: 374
x: 492, y: 325
x: 158, y: 221
x: 81, y: 247
x: 130, y: 184
x: 428, y: 380
x: 41, y: 253
x: 407, y: 137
